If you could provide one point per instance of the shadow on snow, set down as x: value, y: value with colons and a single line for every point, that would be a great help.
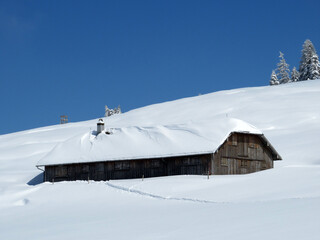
x: 36, y: 180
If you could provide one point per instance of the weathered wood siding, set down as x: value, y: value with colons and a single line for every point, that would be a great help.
x: 240, y: 154
x: 196, y: 165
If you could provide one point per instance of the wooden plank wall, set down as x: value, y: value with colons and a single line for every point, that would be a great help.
x: 240, y: 154
x: 196, y: 165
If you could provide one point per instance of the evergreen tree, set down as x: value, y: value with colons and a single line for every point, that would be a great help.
x: 118, y: 110
x: 295, y: 75
x: 309, y: 65
x: 109, y: 112
x: 274, y: 79
x: 314, y: 67
x: 283, y: 70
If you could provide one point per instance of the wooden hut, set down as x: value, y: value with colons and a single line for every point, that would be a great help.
x: 229, y: 146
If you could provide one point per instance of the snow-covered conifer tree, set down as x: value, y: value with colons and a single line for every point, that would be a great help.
x: 309, y: 65
x: 283, y: 70
x: 118, y: 110
x: 295, y: 75
x: 314, y: 67
x: 274, y: 79
x: 109, y: 112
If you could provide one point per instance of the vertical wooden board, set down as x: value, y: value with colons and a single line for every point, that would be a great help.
x: 211, y: 164
x: 71, y: 172
x: 106, y: 170
x: 258, y: 165
x: 245, y: 145
x: 240, y: 149
x: 216, y: 164
x: 98, y: 174
x: 230, y: 167
x: 260, y: 154
x: 99, y: 167
x: 233, y: 166
x: 253, y: 166
x: 243, y: 170
x: 224, y: 170
x: 240, y: 168
x: 250, y: 152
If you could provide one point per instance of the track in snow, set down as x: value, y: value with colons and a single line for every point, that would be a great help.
x: 157, y: 196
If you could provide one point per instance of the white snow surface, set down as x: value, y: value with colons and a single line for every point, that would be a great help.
x: 147, y: 142
x: 280, y: 203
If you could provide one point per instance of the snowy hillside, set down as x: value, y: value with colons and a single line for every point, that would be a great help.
x: 281, y: 203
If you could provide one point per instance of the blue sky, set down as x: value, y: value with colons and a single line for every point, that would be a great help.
x: 74, y: 57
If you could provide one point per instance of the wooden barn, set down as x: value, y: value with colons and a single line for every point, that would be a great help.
x: 228, y: 146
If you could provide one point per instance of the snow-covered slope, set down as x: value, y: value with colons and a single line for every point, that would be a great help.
x: 281, y: 203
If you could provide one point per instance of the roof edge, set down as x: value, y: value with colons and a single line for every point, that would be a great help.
x: 278, y: 157
x: 134, y: 158
x: 263, y: 137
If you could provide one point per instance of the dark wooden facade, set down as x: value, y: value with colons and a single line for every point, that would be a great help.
x: 243, y: 153
x: 240, y: 153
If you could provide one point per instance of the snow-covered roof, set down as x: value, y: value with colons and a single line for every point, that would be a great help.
x: 147, y: 142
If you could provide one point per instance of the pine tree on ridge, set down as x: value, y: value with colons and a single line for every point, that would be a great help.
x: 295, y: 75
x: 283, y: 70
x: 314, y: 67
x: 274, y: 79
x: 309, y: 64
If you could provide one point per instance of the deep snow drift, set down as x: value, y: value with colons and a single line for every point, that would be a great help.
x: 281, y: 203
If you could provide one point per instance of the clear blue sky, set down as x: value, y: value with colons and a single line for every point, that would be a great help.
x: 74, y: 57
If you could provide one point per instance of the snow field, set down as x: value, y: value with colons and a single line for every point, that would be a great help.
x: 280, y: 203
